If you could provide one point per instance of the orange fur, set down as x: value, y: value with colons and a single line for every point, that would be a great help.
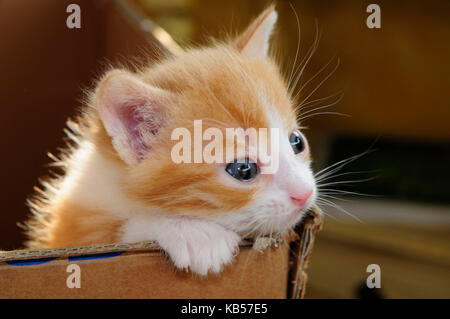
x: 75, y: 225
x: 218, y: 84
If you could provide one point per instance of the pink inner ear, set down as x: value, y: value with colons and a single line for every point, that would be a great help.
x: 133, y: 124
x: 138, y: 125
x: 132, y: 113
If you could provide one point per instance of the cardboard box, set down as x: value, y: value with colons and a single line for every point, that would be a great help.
x: 263, y: 269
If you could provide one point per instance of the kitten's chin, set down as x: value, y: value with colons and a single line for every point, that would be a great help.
x: 282, y: 223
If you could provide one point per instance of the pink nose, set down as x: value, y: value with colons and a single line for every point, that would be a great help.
x: 301, y: 200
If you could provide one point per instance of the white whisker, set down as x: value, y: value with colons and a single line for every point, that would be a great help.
x: 324, y: 178
x: 322, y: 113
x: 347, y: 182
x: 321, y: 82
x: 303, y: 115
x: 304, y: 63
x: 326, y: 202
x: 298, y: 46
x: 343, y: 162
x: 343, y: 192
x: 317, y: 101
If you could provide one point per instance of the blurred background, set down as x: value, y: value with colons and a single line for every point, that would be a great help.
x: 395, y: 83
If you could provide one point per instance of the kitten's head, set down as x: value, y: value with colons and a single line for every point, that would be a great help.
x: 147, y: 117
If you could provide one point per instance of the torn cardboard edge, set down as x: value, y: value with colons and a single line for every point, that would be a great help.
x: 301, y: 250
x: 300, y: 244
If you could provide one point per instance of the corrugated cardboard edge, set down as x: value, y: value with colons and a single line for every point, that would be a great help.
x: 301, y: 250
x: 75, y: 251
x: 87, y: 250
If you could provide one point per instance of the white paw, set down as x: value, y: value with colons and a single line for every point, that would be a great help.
x: 198, y: 245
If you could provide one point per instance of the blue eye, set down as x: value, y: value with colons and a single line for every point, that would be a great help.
x: 244, y: 170
x: 297, y: 142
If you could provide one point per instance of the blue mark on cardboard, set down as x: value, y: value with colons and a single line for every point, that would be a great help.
x: 95, y: 256
x: 39, y: 261
x: 29, y: 262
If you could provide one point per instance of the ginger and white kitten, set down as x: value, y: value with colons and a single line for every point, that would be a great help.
x: 121, y: 185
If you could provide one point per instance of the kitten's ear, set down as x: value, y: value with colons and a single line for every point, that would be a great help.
x: 254, y: 41
x: 132, y: 113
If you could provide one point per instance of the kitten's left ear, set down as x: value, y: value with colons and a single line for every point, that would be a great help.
x: 133, y: 113
x: 254, y: 41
